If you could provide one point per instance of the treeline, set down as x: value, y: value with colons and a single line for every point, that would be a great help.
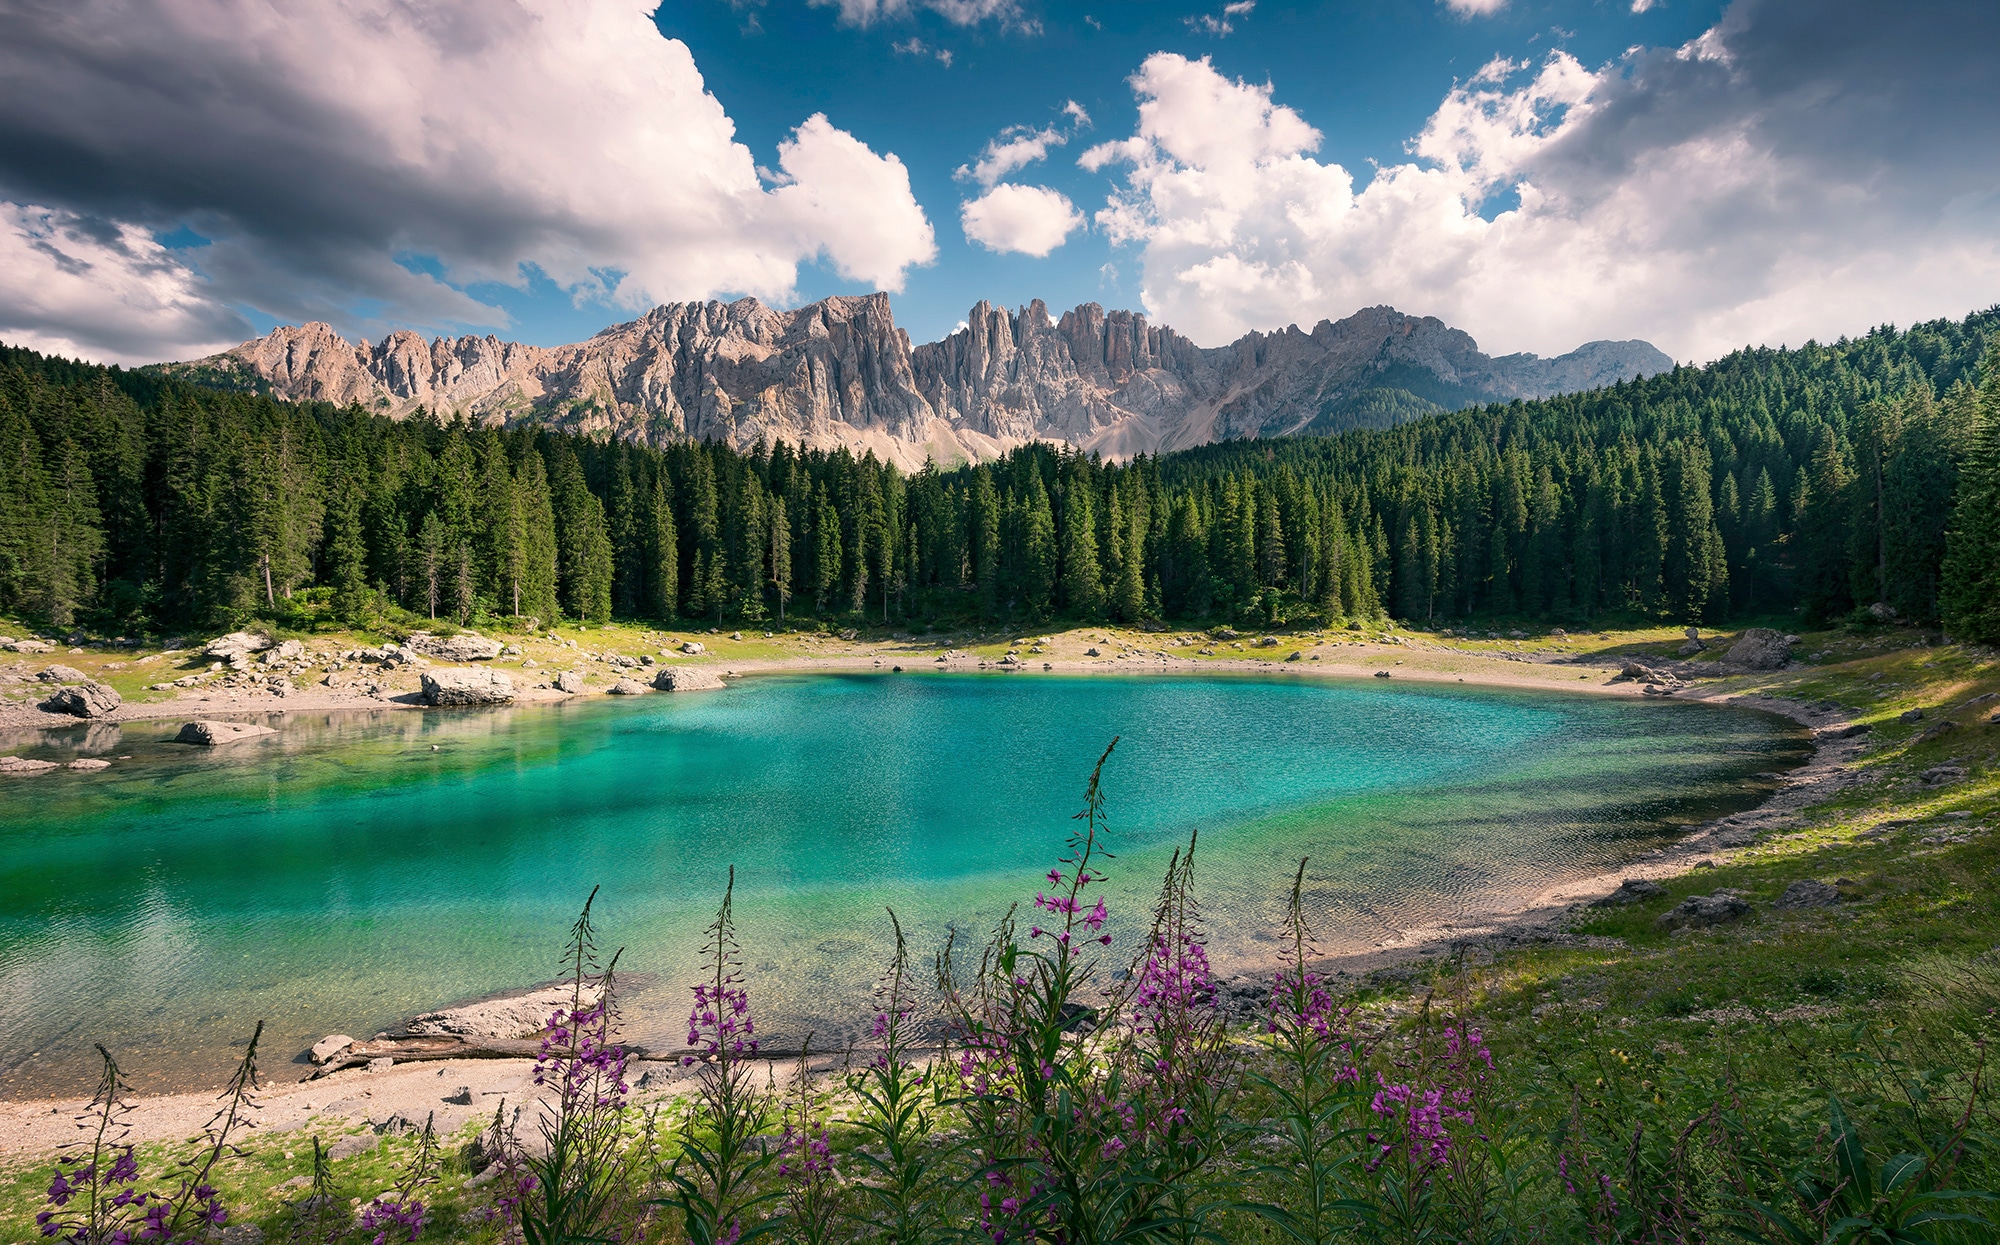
x: 1827, y: 478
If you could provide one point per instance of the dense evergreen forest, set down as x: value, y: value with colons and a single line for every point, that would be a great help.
x: 1824, y: 479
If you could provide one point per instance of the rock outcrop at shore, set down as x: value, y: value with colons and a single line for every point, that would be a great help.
x: 1761, y: 648
x: 461, y: 687
x: 86, y: 700
x: 839, y: 372
x: 208, y: 734
x: 463, y: 647
x: 686, y: 679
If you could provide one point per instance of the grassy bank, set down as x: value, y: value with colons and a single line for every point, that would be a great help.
x: 1647, y: 1057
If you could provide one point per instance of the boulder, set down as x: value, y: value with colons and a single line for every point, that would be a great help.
x: 1630, y: 891
x: 89, y: 763
x: 1700, y: 911
x: 1848, y: 731
x: 62, y: 674
x: 686, y: 679
x: 1809, y: 893
x: 1381, y: 674
x: 1267, y: 641
x: 693, y: 646
x: 569, y: 682
x: 208, y: 734
x: 1910, y: 715
x: 290, y: 650
x: 329, y: 1048
x: 23, y: 765
x: 235, y: 644
x: 462, y: 686
x: 1223, y: 633
x: 1761, y: 648
x: 465, y: 646
x: 628, y: 687
x: 30, y: 646
x: 1942, y: 775
x: 87, y: 700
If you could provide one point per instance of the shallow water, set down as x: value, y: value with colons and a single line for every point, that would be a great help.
x: 359, y: 868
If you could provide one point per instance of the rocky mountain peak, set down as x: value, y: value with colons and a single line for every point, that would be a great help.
x: 840, y: 372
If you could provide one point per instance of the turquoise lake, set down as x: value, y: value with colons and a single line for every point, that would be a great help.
x: 359, y: 868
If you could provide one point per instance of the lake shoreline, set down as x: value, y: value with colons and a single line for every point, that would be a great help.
x: 1541, y: 917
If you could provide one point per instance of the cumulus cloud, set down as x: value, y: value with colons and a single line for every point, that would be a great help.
x: 1474, y: 8
x: 102, y: 290
x: 1017, y: 147
x: 1029, y: 220
x: 315, y: 145
x: 1798, y: 170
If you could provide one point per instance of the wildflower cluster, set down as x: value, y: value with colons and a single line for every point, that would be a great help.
x: 1420, y: 1112
x: 721, y: 1018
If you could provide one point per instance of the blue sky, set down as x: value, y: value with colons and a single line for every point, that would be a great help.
x: 177, y: 175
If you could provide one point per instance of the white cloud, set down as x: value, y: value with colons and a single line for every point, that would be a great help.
x: 1223, y: 23
x: 317, y: 143
x: 1474, y: 8
x: 1642, y: 6
x: 1734, y: 190
x: 1007, y: 13
x: 914, y: 46
x: 1017, y: 147
x: 1074, y: 111
x: 104, y: 292
x: 1030, y: 220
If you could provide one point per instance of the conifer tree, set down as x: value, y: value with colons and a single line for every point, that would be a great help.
x: 532, y: 569
x: 1082, y: 586
x: 660, y: 552
x: 781, y: 556
x: 1038, y: 550
x: 1971, y: 587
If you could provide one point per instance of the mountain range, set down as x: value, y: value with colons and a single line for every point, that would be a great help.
x: 839, y: 372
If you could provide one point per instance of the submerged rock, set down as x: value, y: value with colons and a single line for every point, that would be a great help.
x: 88, y: 700
x: 24, y: 765
x: 89, y: 763
x: 464, y: 686
x: 211, y: 734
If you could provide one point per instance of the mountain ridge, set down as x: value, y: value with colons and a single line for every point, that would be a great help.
x: 840, y: 372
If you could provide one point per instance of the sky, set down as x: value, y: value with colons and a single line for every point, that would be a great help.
x: 179, y: 175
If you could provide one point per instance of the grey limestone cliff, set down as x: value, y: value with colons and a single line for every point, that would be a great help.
x: 839, y: 372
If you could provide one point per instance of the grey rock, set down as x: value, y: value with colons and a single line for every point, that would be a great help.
x: 570, y: 681
x: 1381, y: 674
x: 88, y: 764
x: 461, y: 686
x: 1910, y: 715
x: 1700, y: 911
x: 1809, y: 893
x: 1761, y: 648
x: 212, y: 734
x: 62, y: 674
x: 463, y: 647
x: 686, y: 679
x: 348, y: 1147
x: 840, y: 372
x: 87, y: 700
x: 692, y: 647
x: 25, y: 765
x: 1630, y: 891
x: 30, y: 646
x: 1223, y: 633
x: 1849, y: 730
x: 462, y: 1097
x: 628, y: 687
x: 329, y: 1048
x: 1942, y: 775
x: 1882, y: 611
x: 236, y: 644
x: 1268, y: 641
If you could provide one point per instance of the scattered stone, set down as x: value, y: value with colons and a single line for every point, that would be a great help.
x: 467, y: 686
x: 348, y: 1147
x: 1809, y: 893
x: 1091, y: 652
x: 1381, y: 674
x: 210, y: 734
x: 1223, y: 633
x: 629, y: 687
x: 29, y: 646
x: 736, y: 635
x: 1295, y: 656
x: 1848, y: 731
x: 1558, y: 633
x: 397, y: 1123
x: 569, y: 681
x: 1266, y: 641
x: 1910, y: 715
x: 290, y: 650
x: 1630, y: 891
x: 462, y: 1097
x: 1882, y: 611
x: 236, y: 644
x: 329, y: 1048
x: 89, y: 763
x: 1691, y: 648
x: 463, y: 647
x: 1761, y: 648
x: 686, y: 679
x: 1700, y: 911
x: 62, y: 674
x: 24, y: 765
x: 692, y: 647
x: 1942, y: 775
x: 1935, y: 730
x: 89, y: 700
